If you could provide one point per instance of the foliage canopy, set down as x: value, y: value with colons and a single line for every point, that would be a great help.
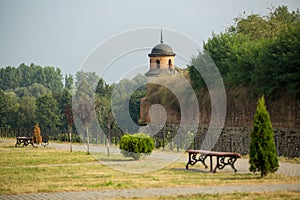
x: 260, y: 53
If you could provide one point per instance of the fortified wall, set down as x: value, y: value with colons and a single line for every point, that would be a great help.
x: 235, y: 136
x: 237, y: 139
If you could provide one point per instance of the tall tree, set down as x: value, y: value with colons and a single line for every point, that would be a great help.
x: 70, y: 121
x: 105, y: 117
x: 36, y: 90
x: 104, y: 110
x: 90, y: 77
x: 263, y: 156
x: 83, y: 107
x: 69, y: 82
x: 47, y: 112
x: 53, y: 79
x: 3, y: 110
x: 8, y: 109
x: 64, y: 99
x: 26, y: 112
x: 9, y: 78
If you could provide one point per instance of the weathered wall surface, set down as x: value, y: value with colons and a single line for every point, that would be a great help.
x: 235, y: 139
x: 284, y: 111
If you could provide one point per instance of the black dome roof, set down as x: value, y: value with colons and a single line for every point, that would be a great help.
x: 162, y: 50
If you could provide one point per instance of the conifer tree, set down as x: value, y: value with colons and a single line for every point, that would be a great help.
x: 37, y: 138
x: 263, y: 156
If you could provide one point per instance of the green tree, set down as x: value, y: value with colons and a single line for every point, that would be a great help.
x: 64, y: 99
x: 105, y: 117
x: 278, y: 66
x: 53, y: 79
x: 26, y: 112
x: 135, y: 102
x: 36, y: 90
x: 103, y: 89
x: 47, y: 112
x: 90, y: 77
x: 83, y: 107
x: 69, y: 82
x: 26, y: 75
x: 104, y: 110
x: 9, y: 78
x: 263, y: 156
x: 3, y: 110
x: 126, y: 97
x: 8, y: 109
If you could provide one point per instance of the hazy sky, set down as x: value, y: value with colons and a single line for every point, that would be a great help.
x: 62, y: 33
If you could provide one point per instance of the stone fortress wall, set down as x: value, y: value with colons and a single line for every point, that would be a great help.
x: 236, y: 139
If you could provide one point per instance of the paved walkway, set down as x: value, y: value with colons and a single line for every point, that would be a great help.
x: 242, y: 166
x: 153, y: 192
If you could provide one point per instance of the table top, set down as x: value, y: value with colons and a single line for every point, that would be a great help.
x: 214, y: 153
x: 25, y: 138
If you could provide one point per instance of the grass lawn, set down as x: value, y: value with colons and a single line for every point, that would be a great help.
x: 30, y: 170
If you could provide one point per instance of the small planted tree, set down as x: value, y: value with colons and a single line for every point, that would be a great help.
x: 263, y: 156
x: 70, y: 120
x: 83, y: 107
x: 37, y: 138
x: 136, y: 145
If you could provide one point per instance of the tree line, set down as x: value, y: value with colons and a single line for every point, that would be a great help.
x: 30, y: 94
x: 43, y: 96
x: 25, y: 76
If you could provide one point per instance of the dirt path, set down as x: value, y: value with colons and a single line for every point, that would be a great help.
x: 153, y: 192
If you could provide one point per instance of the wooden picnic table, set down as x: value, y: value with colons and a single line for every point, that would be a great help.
x: 223, y: 158
x: 24, y: 140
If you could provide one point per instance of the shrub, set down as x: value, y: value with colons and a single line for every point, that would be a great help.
x: 136, y: 145
x: 37, y: 138
x: 263, y: 156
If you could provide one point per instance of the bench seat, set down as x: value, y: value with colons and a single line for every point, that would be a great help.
x: 223, y: 158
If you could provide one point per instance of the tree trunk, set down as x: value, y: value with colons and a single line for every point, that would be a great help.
x: 70, y: 138
x: 107, y: 142
x: 88, y: 140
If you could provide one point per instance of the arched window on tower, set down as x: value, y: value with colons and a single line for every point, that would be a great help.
x: 170, y: 64
x: 170, y: 67
x: 158, y: 64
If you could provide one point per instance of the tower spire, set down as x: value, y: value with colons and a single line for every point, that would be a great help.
x: 161, y: 37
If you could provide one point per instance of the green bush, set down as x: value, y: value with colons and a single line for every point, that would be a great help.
x: 262, y: 153
x: 136, y: 145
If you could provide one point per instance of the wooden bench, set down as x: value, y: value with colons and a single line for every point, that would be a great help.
x: 25, y: 140
x: 29, y: 140
x: 223, y: 158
